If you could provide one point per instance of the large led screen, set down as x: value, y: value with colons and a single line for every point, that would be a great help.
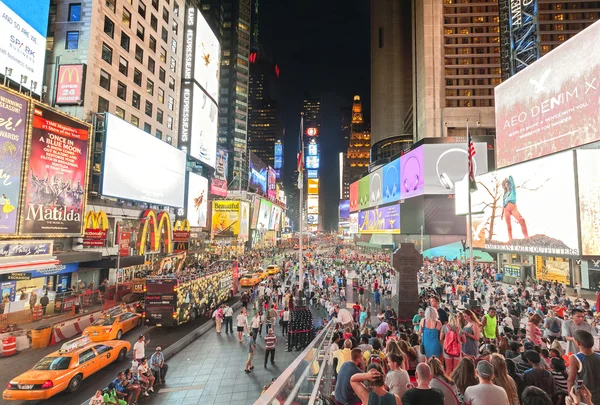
x: 363, y: 192
x: 197, y: 200
x: 344, y: 209
x: 412, y: 179
x: 218, y: 185
x: 207, y: 58
x: 551, y: 105
x: 313, y: 149
x: 439, y: 217
x: 141, y: 167
x: 278, y: 159
x: 376, y: 187
x: 272, y: 182
x: 527, y: 208
x: 313, y: 186
x: 588, y: 177
x: 203, y: 140
x: 312, y: 204
x: 275, y: 219
x: 391, y: 182
x: 264, y: 215
x: 23, y: 40
x: 380, y: 220
x: 55, y: 190
x: 13, y: 112
x: 225, y: 218
x: 354, y: 223
x: 244, y: 220
x: 255, y: 209
x: 312, y: 174
x: 354, y: 196
x: 312, y: 219
x: 446, y: 163
x: 312, y: 162
x: 258, y: 175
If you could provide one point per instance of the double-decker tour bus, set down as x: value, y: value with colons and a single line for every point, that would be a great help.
x: 176, y: 298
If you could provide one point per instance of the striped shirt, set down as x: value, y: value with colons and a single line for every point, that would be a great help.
x: 560, y: 381
x: 270, y: 341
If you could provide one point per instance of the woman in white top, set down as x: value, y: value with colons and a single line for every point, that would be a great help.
x: 397, y: 378
x: 285, y: 320
x: 442, y: 382
x: 242, y: 324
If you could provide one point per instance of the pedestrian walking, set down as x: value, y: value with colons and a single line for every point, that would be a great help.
x: 251, y: 350
x: 270, y: 342
x: 228, y: 317
x: 242, y: 324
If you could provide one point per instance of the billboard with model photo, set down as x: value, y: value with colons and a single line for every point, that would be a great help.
x: 203, y: 139
x: 207, y: 58
x: 218, y: 185
x: 552, y: 104
x: 391, y: 182
x: 225, y: 218
x: 272, y: 182
x: 529, y: 208
x: 412, y: 180
x: 255, y: 209
x: 275, y: 220
x: 197, y: 200
x: 446, y: 163
x: 258, y: 175
x: 588, y: 179
x: 264, y: 215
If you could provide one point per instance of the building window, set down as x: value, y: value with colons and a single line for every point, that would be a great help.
x: 135, y: 121
x: 72, y: 41
x: 154, y: 22
x: 123, y: 66
x: 126, y: 18
x: 52, y: 14
x: 173, y: 45
x: 150, y: 87
x: 173, y: 65
x: 161, y: 95
x: 169, y: 122
x: 381, y: 37
x: 120, y: 113
x: 169, y: 140
x: 155, y: 4
x: 135, y: 100
x: 102, y: 105
x: 111, y: 5
x: 175, y: 27
x: 139, y: 54
x: 165, y: 15
x: 151, y: 65
x: 171, y: 103
x: 164, y: 34
x: 140, y: 31
x: 109, y: 27
x: 163, y: 55
x: 137, y: 77
x: 148, y: 109
x: 152, y: 43
x: 147, y: 128
x: 107, y: 53
x: 162, y: 74
x: 159, y: 134
x: 74, y: 12
x: 159, y: 115
x: 176, y: 9
x: 122, y: 91
x: 171, y: 83
x: 142, y: 9
x: 124, y: 41
x: 104, y: 80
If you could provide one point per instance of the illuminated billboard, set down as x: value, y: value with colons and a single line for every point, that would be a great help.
x: 313, y: 186
x: 225, y: 218
x: 411, y: 174
x: 278, y: 162
x: 312, y: 174
x: 312, y: 206
x: 446, y: 163
x: 354, y: 196
x: 344, y: 209
x: 520, y: 210
x: 363, y: 192
x: 271, y: 182
x: 264, y: 215
x: 258, y: 175
x: 244, y: 220
x: 376, y: 187
x: 70, y: 84
x: 588, y: 168
x: 391, y: 182
x: 354, y: 223
x: 275, y: 219
x: 203, y: 139
x: 197, y: 200
x: 218, y: 185
x: 384, y: 220
x: 552, y: 104
x: 207, y: 58
x: 312, y: 219
x: 255, y: 209
x: 313, y: 150
x: 23, y: 40
x: 312, y: 162
x: 312, y: 131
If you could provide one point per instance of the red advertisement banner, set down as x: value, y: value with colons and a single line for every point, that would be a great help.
x: 56, y: 179
x: 69, y: 86
x: 94, y: 237
x: 124, y: 243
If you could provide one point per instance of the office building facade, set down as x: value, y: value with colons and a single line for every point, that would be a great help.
x: 358, y: 156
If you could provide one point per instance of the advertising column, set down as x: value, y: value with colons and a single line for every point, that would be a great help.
x: 56, y: 184
x: 13, y: 117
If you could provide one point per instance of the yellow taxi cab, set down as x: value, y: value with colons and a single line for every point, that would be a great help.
x: 113, y: 325
x: 65, y: 369
x: 262, y: 274
x: 273, y: 270
x: 249, y: 280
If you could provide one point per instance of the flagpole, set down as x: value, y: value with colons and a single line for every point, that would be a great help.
x: 471, y: 271
x: 301, y: 187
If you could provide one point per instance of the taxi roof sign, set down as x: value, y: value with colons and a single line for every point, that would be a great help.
x: 75, y: 344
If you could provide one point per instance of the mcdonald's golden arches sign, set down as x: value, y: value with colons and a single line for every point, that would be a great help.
x: 70, y: 84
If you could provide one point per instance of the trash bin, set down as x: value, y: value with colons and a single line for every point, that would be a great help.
x: 40, y: 337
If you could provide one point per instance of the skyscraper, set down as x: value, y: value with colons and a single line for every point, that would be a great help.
x: 358, y: 156
x: 232, y: 19
x: 312, y: 111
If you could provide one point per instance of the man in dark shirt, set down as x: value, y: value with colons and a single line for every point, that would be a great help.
x: 344, y: 394
x: 442, y: 315
x: 423, y: 394
x: 537, y: 375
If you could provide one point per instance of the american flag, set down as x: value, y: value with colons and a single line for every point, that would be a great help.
x: 300, y: 155
x: 470, y: 153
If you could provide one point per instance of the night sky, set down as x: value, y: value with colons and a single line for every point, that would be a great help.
x: 321, y: 46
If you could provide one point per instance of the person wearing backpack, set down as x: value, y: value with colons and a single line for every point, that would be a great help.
x: 453, y: 337
x: 376, y: 356
x: 552, y: 326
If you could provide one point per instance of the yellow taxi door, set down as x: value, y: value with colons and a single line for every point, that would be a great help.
x: 87, y: 362
x: 105, y: 355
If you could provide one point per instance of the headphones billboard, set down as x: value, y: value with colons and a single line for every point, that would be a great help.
x: 375, y: 192
x: 411, y: 184
x: 443, y: 177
